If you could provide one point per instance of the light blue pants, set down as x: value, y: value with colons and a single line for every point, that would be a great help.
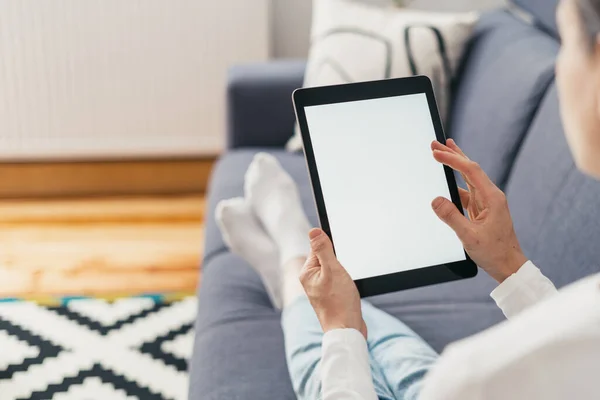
x: 399, y: 357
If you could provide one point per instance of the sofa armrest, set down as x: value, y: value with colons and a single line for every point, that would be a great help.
x: 259, y: 103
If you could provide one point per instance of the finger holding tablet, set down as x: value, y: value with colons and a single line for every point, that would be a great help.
x: 330, y: 288
x: 488, y: 235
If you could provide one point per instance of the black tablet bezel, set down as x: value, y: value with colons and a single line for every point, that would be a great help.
x: 372, y: 90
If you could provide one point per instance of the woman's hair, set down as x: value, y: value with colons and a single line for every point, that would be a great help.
x: 590, y: 16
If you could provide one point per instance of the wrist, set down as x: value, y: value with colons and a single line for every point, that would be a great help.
x: 362, y: 329
x: 511, y: 265
x: 333, y: 325
x: 330, y: 324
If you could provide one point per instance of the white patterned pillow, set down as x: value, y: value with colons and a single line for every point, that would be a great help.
x: 353, y: 42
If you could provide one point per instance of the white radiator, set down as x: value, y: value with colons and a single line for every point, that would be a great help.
x: 97, y: 79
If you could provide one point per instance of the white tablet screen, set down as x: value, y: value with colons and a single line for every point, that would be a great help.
x: 379, y: 178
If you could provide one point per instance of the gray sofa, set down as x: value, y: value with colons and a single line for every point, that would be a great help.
x: 505, y: 116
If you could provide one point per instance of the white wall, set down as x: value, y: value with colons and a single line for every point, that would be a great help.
x: 121, y: 78
x: 291, y: 20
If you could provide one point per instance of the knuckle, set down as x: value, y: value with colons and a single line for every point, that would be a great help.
x: 474, y: 166
x: 472, y: 236
x: 319, y: 244
x: 501, y: 196
x: 305, y: 272
x: 448, y: 210
x: 303, y: 276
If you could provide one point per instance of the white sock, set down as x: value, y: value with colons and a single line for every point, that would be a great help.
x: 246, y: 238
x: 274, y: 197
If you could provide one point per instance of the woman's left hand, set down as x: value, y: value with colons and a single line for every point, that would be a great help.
x: 329, y: 287
x: 488, y: 235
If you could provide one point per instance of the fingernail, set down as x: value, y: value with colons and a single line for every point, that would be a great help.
x: 314, y: 233
x: 437, y: 202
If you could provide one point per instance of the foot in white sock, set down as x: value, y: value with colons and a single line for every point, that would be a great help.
x: 245, y: 237
x: 274, y: 197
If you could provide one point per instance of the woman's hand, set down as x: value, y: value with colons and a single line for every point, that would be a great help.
x: 329, y: 287
x: 488, y: 235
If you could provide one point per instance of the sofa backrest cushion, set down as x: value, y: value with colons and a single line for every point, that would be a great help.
x: 543, y: 13
x: 505, y: 74
x: 555, y: 208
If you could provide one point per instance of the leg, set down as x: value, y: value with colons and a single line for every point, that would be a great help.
x: 245, y: 237
x: 402, y: 355
x: 268, y: 227
x: 303, y: 338
x: 274, y: 200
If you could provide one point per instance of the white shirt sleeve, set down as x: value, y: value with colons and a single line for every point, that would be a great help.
x: 526, y: 287
x: 345, y: 368
x: 551, y: 351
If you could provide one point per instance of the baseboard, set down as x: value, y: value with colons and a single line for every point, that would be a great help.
x: 71, y: 179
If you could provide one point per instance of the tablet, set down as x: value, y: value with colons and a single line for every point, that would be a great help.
x: 368, y: 151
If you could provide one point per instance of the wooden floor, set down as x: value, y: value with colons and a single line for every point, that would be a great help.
x: 100, y: 246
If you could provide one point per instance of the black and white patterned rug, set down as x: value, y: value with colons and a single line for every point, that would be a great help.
x: 132, y: 348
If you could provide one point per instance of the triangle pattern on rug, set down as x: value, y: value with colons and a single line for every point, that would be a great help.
x: 92, y: 388
x: 15, y: 351
x: 109, y: 313
x: 179, y: 346
x: 129, y: 349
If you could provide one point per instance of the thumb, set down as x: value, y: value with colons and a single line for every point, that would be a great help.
x: 322, y: 248
x: 447, y: 212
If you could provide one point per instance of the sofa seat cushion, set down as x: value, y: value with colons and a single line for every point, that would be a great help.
x: 508, y: 68
x: 238, y: 345
x: 556, y: 209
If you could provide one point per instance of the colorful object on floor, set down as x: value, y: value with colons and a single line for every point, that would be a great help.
x: 75, y: 348
x: 65, y: 300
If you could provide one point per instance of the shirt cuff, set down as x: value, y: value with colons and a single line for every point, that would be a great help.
x: 346, y: 334
x: 348, y: 339
x: 522, y: 289
x: 345, y: 366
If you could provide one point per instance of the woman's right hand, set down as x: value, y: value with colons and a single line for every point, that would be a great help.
x: 330, y: 289
x: 488, y: 235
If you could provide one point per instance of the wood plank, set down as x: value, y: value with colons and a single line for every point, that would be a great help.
x: 106, y: 247
x: 129, y: 209
x: 18, y: 284
x: 100, y: 246
x: 67, y: 179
